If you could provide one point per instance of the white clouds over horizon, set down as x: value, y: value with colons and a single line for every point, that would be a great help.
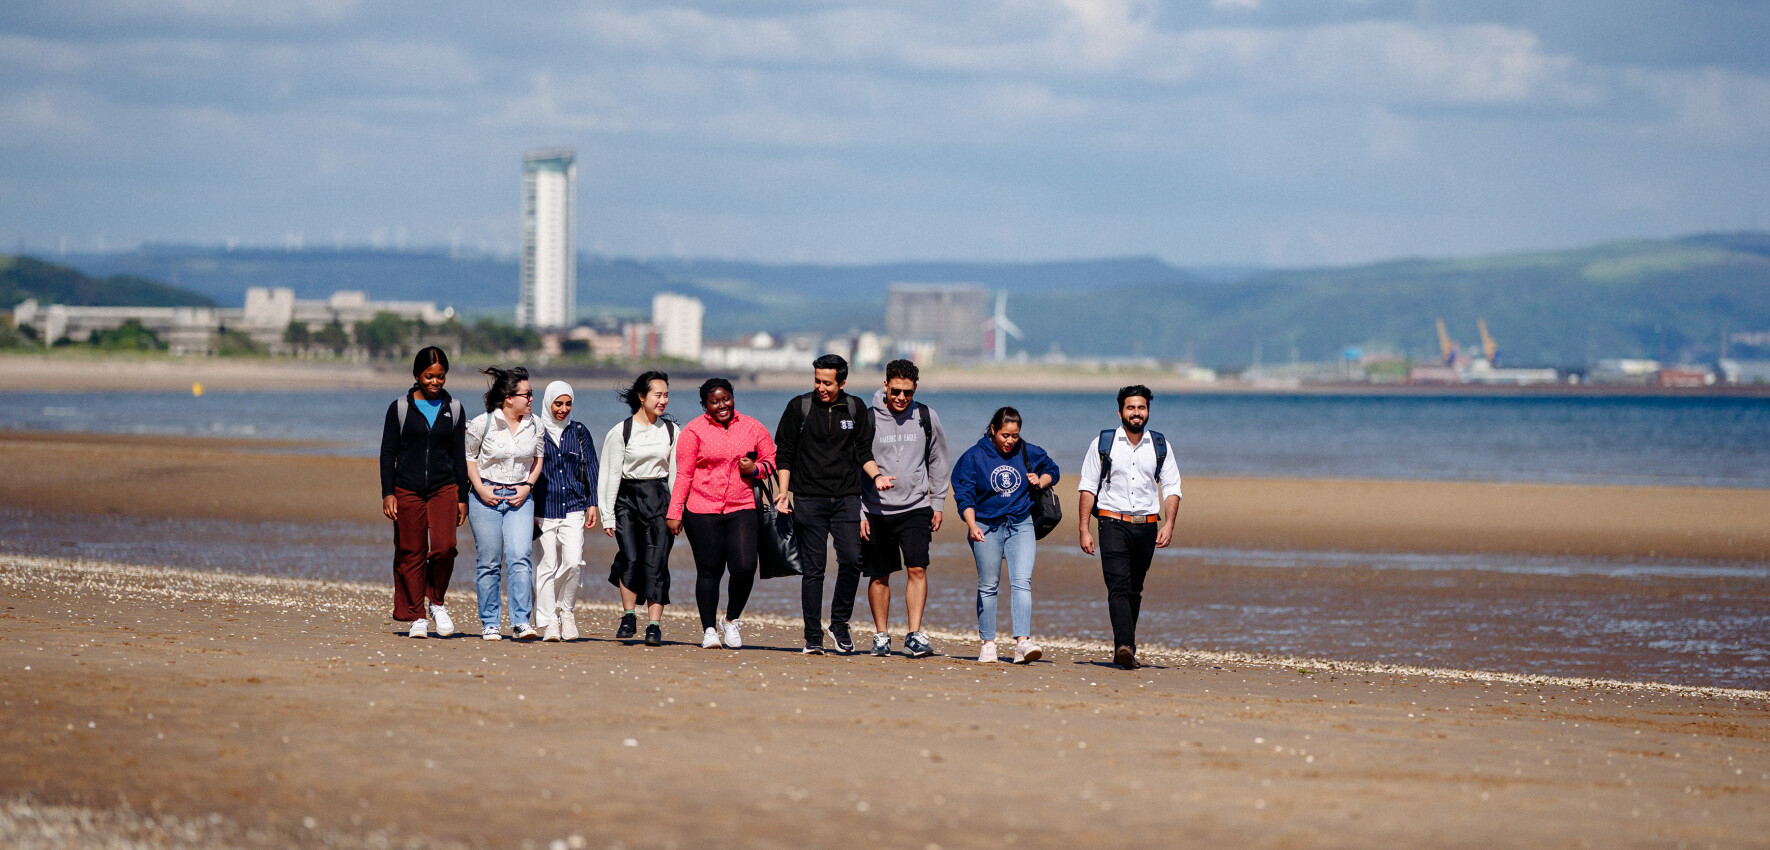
x: 1240, y: 131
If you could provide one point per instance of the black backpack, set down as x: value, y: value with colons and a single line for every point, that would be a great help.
x: 1105, y: 449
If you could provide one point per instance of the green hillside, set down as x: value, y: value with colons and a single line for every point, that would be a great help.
x: 24, y: 277
x: 1669, y: 299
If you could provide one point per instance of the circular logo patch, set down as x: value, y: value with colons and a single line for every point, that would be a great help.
x: 1005, y: 479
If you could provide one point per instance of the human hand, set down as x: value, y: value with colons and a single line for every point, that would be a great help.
x: 890, y: 481
x: 1088, y: 540
x: 592, y: 517
x: 522, y: 495
x: 747, y: 466
x: 460, y: 514
x: 390, y: 508
x: 866, y: 528
x: 675, y: 526
x: 1164, y: 535
x: 609, y: 531
x: 976, y: 533
x: 784, y: 502
x: 936, y: 524
x: 1041, y: 481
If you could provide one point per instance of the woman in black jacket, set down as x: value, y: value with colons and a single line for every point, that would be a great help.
x: 424, y: 491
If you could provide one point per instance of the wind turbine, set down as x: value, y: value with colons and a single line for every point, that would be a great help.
x: 1000, y: 328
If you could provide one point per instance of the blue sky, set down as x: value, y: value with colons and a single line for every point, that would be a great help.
x: 1283, y: 132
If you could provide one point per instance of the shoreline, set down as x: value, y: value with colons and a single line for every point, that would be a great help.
x: 91, y: 372
x: 285, y: 712
x: 84, y: 473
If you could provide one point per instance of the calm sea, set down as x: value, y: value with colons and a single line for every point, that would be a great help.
x: 1704, y: 441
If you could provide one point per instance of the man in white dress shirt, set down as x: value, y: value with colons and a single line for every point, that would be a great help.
x: 1131, y: 484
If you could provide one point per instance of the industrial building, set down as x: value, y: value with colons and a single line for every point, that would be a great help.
x: 949, y: 319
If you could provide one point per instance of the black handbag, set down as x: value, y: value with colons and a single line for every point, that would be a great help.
x: 777, y: 545
x: 1047, y: 511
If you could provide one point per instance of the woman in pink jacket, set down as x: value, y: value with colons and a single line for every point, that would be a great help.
x: 718, y: 457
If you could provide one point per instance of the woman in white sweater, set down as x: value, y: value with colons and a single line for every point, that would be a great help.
x: 504, y: 451
x: 638, y: 470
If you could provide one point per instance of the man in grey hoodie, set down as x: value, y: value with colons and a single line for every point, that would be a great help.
x: 898, y: 524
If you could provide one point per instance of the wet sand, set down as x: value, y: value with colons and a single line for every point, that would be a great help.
x: 246, y: 711
x: 236, y: 479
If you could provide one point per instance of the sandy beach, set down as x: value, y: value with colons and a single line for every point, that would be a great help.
x: 183, y: 709
x: 176, y: 708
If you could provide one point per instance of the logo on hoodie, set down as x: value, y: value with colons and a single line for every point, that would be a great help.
x: 1004, y: 479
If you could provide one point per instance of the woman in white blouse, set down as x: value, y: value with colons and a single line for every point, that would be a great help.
x: 504, y: 452
x: 638, y: 470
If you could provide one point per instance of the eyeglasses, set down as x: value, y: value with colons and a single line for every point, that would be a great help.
x: 904, y: 393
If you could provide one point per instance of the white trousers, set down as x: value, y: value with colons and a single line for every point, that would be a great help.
x: 557, y: 570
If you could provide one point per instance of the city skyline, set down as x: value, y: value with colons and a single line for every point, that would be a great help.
x: 1264, y: 132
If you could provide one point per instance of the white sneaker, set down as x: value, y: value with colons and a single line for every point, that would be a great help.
x: 490, y: 633
x: 551, y: 632
x: 987, y: 653
x: 568, y: 625
x: 710, y: 639
x: 1026, y: 652
x: 420, y: 628
x: 440, y: 616
x: 733, y: 639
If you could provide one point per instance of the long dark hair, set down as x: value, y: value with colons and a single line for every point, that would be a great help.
x: 504, y: 384
x: 634, y: 396
x: 1004, y: 416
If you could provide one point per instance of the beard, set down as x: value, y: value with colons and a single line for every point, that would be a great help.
x: 1133, y: 427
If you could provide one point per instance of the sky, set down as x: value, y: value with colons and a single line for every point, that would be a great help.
x: 1205, y: 132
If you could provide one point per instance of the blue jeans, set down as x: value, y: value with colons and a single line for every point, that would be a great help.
x: 1011, y: 540
x: 503, y: 535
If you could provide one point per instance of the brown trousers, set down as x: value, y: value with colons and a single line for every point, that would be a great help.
x: 423, y: 550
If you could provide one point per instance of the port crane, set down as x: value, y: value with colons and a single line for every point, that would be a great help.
x: 1489, y: 348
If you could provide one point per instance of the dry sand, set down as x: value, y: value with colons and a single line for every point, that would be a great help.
x: 183, y: 709
x: 197, y: 477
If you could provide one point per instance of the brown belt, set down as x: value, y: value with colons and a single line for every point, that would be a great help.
x: 1147, y: 518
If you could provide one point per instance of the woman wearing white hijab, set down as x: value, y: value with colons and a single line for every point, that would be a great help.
x: 565, y: 505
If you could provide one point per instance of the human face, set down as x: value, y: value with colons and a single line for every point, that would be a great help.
x: 1007, y: 438
x: 431, y: 380
x: 562, y: 408
x: 720, y: 405
x: 1134, y: 413
x: 657, y: 398
x: 520, y: 403
x: 826, y: 386
x: 900, y: 393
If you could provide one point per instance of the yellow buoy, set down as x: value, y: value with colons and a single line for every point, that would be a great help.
x: 197, y: 389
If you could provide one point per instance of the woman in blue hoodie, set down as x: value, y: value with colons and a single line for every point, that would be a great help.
x: 991, y: 486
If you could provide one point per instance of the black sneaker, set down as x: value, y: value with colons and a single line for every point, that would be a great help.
x: 916, y: 644
x: 654, y: 636
x: 881, y: 644
x: 629, y: 626
x: 812, y: 649
x: 844, y: 641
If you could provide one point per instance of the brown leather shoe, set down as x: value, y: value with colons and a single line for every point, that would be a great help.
x: 1126, y: 657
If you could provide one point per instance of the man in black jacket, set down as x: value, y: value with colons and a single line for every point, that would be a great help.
x: 823, y: 445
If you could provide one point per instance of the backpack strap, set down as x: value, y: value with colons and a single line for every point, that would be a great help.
x: 1104, y: 446
x: 1161, y: 454
x: 627, y: 430
x: 455, y: 408
x: 405, y: 406
x: 927, y: 436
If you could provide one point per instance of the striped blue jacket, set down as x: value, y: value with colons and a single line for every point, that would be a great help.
x: 568, y: 473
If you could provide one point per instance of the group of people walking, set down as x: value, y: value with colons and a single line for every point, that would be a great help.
x: 869, y: 480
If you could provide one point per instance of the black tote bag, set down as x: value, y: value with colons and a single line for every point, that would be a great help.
x: 1047, y: 511
x: 777, y: 546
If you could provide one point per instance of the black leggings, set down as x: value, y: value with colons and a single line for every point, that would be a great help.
x: 721, y: 542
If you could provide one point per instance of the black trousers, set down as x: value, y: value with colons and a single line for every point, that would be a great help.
x: 1126, y: 549
x: 722, y: 542
x: 817, y: 519
x: 642, y: 562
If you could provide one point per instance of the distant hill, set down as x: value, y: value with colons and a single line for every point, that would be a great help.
x: 1667, y: 299
x: 1671, y: 299
x: 25, y: 277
